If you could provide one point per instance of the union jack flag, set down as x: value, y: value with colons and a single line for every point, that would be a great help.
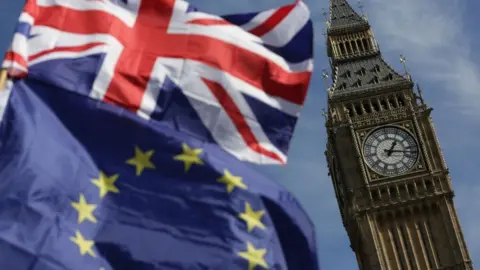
x: 238, y: 81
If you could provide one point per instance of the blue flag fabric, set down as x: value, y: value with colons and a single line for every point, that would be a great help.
x: 88, y: 185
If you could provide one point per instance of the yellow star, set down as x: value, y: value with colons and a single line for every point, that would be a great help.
x: 106, y: 184
x: 85, y: 210
x: 189, y: 156
x: 254, y: 257
x: 231, y: 181
x: 84, y: 245
x: 252, y: 218
x: 141, y: 160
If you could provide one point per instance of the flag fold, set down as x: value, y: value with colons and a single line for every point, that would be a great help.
x: 245, y: 76
x: 90, y: 185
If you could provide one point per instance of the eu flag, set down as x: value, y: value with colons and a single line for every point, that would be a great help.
x: 88, y: 185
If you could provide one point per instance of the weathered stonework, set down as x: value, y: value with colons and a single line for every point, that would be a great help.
x: 404, y: 221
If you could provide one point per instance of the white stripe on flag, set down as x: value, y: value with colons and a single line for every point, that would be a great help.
x: 219, y: 124
x: 4, y: 96
x: 283, y: 33
x: 128, y: 13
x: 150, y: 97
x: 20, y: 46
x: 258, y: 20
x: 26, y: 18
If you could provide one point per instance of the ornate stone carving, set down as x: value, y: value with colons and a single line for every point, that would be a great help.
x: 400, y: 206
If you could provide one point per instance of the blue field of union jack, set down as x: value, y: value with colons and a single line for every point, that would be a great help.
x: 238, y: 81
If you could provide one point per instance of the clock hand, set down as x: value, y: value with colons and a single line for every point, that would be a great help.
x: 404, y: 151
x: 390, y: 151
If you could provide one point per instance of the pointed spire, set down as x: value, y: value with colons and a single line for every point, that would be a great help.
x: 420, y: 96
x: 342, y: 15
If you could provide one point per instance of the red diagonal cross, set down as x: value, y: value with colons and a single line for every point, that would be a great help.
x: 148, y: 39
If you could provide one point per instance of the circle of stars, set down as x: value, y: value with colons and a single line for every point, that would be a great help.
x: 142, y: 161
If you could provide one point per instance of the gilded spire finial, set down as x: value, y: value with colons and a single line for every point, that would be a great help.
x: 325, y: 114
x: 325, y: 77
x: 362, y: 11
x: 327, y: 84
x: 325, y: 15
x: 403, y: 60
x: 324, y: 33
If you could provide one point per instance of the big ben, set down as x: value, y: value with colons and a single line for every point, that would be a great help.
x: 389, y: 175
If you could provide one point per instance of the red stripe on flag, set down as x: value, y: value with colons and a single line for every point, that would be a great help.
x: 147, y: 41
x: 132, y: 74
x: 273, y: 21
x: 246, y: 65
x: 209, y: 22
x: 86, y: 21
x: 142, y: 45
x: 238, y: 119
x: 66, y: 49
x: 15, y: 57
x: 31, y: 8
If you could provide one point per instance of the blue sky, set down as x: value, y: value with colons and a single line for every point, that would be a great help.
x: 439, y: 38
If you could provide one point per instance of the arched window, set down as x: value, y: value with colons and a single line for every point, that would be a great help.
x: 375, y: 106
x: 342, y: 48
x: 429, y: 186
x: 383, y: 103
x: 349, y: 108
x: 403, y: 191
x: 358, y: 109
x: 393, y: 193
x: 411, y: 190
x: 365, y: 44
x: 349, y: 48
x: 367, y: 108
x: 348, y: 74
x: 375, y: 196
x: 358, y: 83
x: 354, y: 46
x: 391, y: 102
x: 359, y: 45
x: 362, y: 71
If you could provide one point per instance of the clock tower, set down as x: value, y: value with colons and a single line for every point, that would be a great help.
x: 390, y: 178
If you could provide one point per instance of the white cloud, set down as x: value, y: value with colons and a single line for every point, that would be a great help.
x: 431, y: 34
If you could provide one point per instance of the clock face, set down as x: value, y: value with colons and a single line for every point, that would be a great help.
x: 390, y: 151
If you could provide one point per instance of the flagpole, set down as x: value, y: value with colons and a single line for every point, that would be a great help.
x: 3, y: 79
